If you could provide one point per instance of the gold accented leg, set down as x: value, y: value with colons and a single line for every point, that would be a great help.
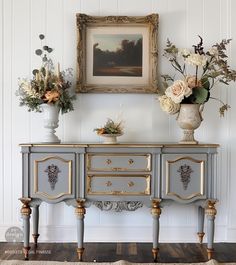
x: 25, y: 213
x: 80, y: 252
x: 80, y: 213
x: 210, y: 252
x: 210, y: 213
x: 201, y: 235
x: 155, y: 253
x: 156, y: 212
x: 35, y: 237
x: 26, y: 252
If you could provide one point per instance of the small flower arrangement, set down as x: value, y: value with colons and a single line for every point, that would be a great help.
x: 200, y: 71
x: 110, y: 127
x: 48, y: 85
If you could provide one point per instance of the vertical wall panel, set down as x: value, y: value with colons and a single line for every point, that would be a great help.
x: 1, y: 114
x: 7, y: 109
x: 141, y: 7
x: 21, y: 60
x: 70, y: 8
x: 90, y: 7
x: 108, y: 7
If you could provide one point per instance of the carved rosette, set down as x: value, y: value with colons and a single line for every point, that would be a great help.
x: 25, y: 210
x: 52, y: 171
x: 156, y: 210
x: 118, y: 206
x: 80, y: 210
x: 185, y: 175
x: 211, y: 210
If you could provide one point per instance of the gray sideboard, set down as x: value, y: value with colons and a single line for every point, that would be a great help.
x: 119, y: 177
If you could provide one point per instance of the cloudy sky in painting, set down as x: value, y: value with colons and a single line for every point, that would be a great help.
x: 112, y: 41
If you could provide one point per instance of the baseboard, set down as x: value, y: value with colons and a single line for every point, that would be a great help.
x: 124, y: 234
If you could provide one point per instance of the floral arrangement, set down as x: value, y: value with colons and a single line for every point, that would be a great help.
x: 48, y: 85
x: 110, y: 127
x: 200, y: 71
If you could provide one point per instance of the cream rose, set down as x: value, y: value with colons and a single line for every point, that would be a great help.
x: 168, y: 105
x: 191, y: 81
x: 213, y: 51
x: 196, y: 59
x: 178, y: 91
x: 184, y: 52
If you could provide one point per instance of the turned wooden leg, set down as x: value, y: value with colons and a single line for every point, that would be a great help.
x: 80, y: 212
x: 211, y: 213
x: 201, y: 214
x: 25, y: 213
x: 156, y: 212
x: 35, y: 224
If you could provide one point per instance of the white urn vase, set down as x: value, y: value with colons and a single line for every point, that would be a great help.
x: 110, y: 138
x: 189, y: 119
x: 50, y: 122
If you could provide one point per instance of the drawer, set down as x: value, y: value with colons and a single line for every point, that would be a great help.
x: 118, y: 162
x: 52, y: 176
x: 184, y: 176
x: 118, y: 184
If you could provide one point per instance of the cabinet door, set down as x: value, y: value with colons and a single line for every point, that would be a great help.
x: 184, y: 177
x: 52, y: 176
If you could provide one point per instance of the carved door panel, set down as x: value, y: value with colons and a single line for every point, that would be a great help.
x: 52, y: 176
x: 184, y: 177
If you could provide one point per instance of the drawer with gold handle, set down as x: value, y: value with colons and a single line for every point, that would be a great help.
x: 118, y: 162
x: 118, y: 184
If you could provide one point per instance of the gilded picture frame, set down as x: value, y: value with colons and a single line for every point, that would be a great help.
x: 117, y: 54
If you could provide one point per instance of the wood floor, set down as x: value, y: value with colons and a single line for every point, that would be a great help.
x: 109, y: 252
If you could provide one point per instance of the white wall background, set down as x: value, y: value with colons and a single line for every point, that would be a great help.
x: 181, y: 20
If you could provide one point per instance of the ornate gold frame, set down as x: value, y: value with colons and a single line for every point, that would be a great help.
x: 90, y: 155
x: 85, y: 21
x: 147, y: 191
x: 36, y: 191
x: 202, y: 177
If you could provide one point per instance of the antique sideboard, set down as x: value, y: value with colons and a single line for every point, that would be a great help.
x: 119, y: 177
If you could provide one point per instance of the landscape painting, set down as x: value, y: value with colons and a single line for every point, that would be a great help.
x: 117, y: 55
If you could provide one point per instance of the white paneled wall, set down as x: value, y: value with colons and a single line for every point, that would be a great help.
x: 21, y: 21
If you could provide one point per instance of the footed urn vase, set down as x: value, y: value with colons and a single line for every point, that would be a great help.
x: 189, y: 119
x: 50, y: 122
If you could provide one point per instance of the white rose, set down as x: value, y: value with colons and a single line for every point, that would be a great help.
x: 196, y: 59
x: 184, y: 52
x: 213, y: 51
x: 178, y: 91
x: 168, y: 105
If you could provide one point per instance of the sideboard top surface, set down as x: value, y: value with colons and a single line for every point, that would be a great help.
x: 125, y: 144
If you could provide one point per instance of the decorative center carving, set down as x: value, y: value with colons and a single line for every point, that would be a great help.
x: 52, y: 171
x: 118, y: 206
x: 185, y: 175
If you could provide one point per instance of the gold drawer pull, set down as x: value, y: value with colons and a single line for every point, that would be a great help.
x: 131, y: 161
x: 108, y: 161
x: 130, y: 184
x: 108, y: 183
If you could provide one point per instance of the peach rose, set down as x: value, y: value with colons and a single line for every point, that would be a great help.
x: 178, y: 91
x: 191, y: 81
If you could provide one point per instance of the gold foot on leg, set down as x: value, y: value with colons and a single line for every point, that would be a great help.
x: 80, y: 252
x: 35, y: 237
x: 155, y: 253
x: 26, y: 252
x: 210, y: 252
x: 200, y: 235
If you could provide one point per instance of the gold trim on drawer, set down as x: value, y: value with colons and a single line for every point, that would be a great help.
x: 108, y: 161
x: 202, y: 177
x: 147, y: 191
x: 36, y: 191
